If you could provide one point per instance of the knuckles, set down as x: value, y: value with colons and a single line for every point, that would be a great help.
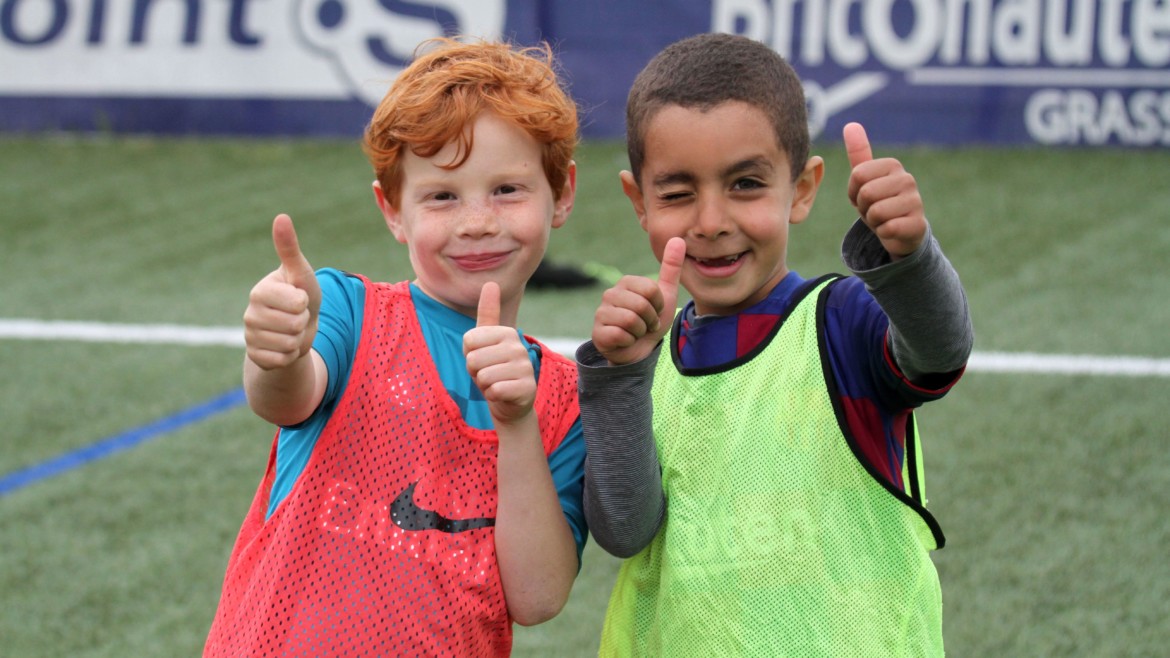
x: 271, y: 360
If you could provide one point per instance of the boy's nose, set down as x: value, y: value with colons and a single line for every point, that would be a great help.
x: 711, y: 220
x: 479, y: 218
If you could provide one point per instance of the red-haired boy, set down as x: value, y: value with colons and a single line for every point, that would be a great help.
x: 424, y: 488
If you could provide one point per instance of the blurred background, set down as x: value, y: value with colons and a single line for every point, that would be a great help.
x: 145, y: 146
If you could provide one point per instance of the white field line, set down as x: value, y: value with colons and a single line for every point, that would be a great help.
x: 1004, y: 362
x: 100, y: 332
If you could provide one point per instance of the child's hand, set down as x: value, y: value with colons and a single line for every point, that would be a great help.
x: 637, y: 312
x: 885, y: 195
x: 498, y: 361
x: 281, y: 319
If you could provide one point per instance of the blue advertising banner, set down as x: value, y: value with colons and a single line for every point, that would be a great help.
x: 1053, y: 72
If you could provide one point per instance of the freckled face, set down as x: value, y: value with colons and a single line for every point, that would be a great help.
x: 487, y: 220
x: 719, y: 180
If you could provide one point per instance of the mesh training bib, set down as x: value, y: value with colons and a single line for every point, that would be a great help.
x: 385, y: 545
x: 777, y: 540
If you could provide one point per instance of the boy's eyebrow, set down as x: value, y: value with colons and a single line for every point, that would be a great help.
x: 673, y: 178
x: 750, y: 164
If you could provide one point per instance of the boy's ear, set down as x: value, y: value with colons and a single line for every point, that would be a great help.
x: 634, y: 194
x: 389, y: 213
x: 564, y: 204
x: 806, y: 186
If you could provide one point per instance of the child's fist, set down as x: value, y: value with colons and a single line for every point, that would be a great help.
x: 637, y: 312
x: 886, y: 196
x: 498, y: 361
x: 281, y: 319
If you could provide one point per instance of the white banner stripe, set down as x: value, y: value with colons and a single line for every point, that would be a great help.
x: 168, y: 334
x: 957, y: 76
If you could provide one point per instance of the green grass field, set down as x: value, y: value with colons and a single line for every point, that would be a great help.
x: 1052, y: 488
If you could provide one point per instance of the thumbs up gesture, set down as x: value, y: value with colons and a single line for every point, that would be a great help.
x: 498, y: 362
x: 281, y: 319
x: 636, y: 313
x: 886, y: 196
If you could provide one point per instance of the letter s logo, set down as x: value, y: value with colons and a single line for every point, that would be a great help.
x: 371, y: 41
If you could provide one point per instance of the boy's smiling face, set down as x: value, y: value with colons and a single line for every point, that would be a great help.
x: 719, y: 180
x: 486, y: 220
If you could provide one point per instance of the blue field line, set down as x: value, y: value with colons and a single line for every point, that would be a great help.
x: 119, y: 442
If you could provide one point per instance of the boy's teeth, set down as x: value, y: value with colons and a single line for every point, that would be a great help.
x: 726, y: 259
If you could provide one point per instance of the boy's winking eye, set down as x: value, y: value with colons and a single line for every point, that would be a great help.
x: 743, y: 176
x: 673, y: 186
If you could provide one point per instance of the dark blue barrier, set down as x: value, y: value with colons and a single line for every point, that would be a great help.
x: 1057, y: 72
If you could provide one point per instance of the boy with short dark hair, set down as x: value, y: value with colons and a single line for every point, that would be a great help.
x: 763, y: 475
x: 424, y: 486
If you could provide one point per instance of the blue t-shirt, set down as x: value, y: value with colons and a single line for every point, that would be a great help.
x: 339, y: 326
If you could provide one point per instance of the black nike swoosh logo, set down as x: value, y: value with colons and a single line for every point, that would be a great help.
x: 409, y: 516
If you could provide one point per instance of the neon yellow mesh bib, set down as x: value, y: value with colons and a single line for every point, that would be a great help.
x: 777, y: 541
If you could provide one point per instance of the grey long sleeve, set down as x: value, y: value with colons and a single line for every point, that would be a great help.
x: 930, y: 325
x: 624, y: 502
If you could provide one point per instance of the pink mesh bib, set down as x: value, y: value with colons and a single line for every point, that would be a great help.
x: 385, y: 545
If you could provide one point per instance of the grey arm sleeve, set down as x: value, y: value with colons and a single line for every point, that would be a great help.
x: 930, y: 324
x: 624, y: 501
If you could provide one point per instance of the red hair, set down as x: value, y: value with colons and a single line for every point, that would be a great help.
x: 435, y: 99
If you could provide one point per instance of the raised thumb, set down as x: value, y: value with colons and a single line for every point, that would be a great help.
x: 673, y: 257
x: 488, y: 313
x: 293, y: 264
x: 292, y: 261
x: 857, y: 144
